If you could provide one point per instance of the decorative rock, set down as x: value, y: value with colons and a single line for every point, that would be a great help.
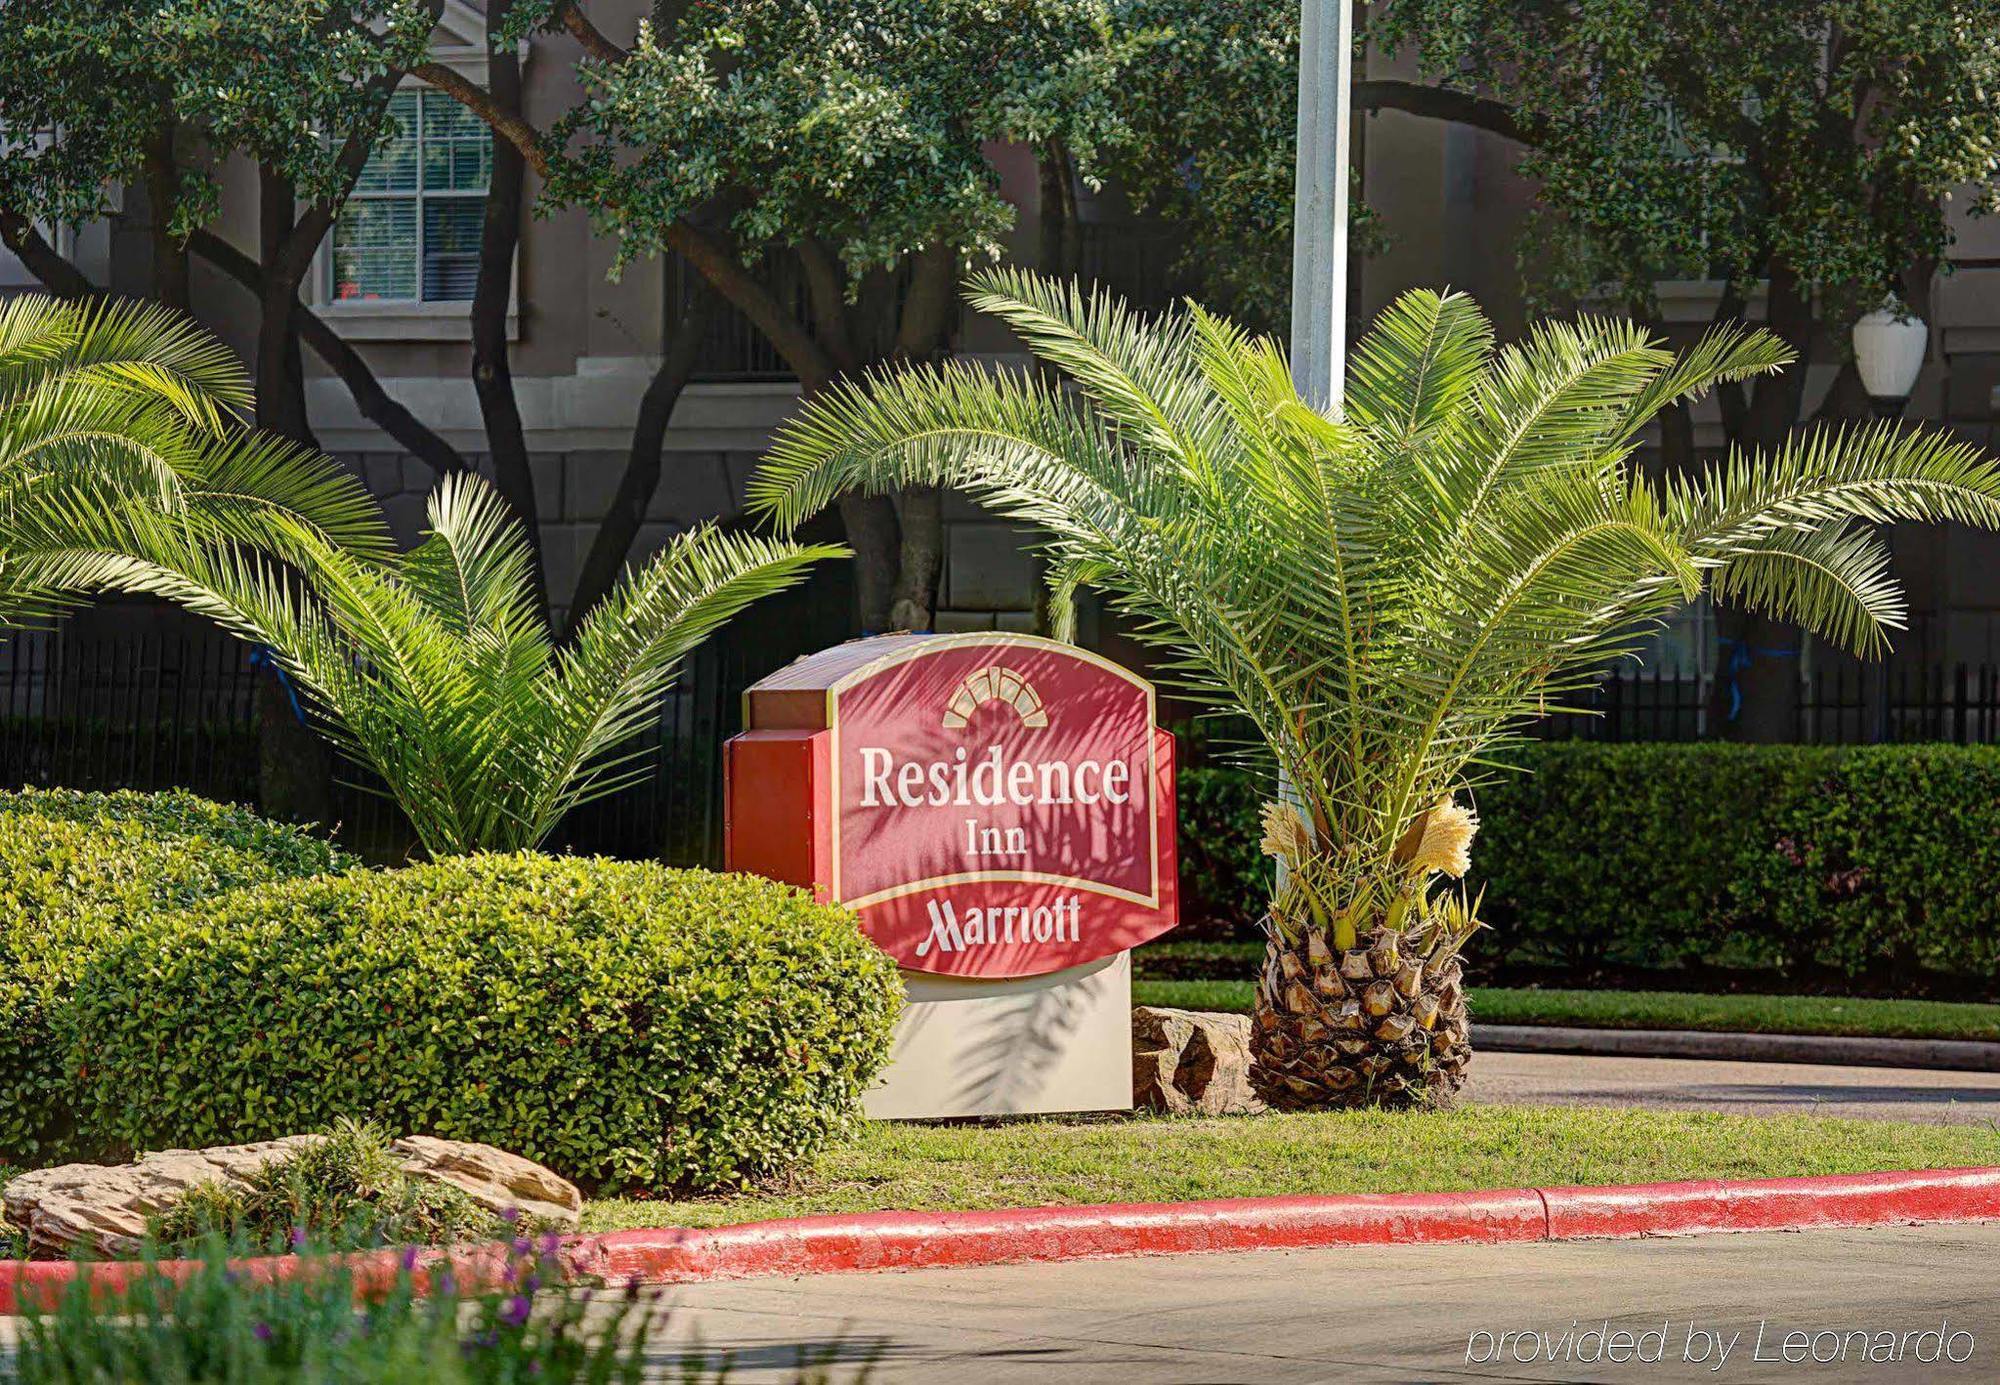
x: 493, y: 1178
x: 102, y: 1209
x: 1191, y: 1062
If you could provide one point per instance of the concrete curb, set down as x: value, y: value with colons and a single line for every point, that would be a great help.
x: 1956, y: 1055
x: 938, y: 1240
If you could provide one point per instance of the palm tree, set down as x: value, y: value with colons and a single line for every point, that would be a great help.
x: 1387, y: 596
x: 436, y: 668
x: 111, y: 410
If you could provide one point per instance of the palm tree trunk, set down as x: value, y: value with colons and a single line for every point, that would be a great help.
x: 1375, y: 1025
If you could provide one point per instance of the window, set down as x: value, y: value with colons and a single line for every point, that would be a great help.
x: 410, y: 231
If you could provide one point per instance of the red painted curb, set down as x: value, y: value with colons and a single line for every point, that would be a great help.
x: 910, y: 1240
x: 913, y: 1240
x: 1774, y: 1204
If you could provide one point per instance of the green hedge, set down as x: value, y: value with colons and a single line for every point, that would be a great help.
x: 76, y: 871
x: 625, y: 1023
x: 1865, y: 862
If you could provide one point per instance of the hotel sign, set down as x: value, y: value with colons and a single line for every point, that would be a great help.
x: 991, y: 805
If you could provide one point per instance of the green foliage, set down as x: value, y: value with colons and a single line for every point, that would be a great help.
x: 859, y: 125
x: 79, y: 870
x: 345, y: 1190
x: 1871, y: 861
x: 285, y: 81
x: 13, y: 1240
x: 1868, y: 862
x: 1386, y: 599
x: 1225, y: 877
x: 439, y: 670
x: 624, y: 1023
x: 1825, y: 137
x: 224, y: 1326
x: 118, y: 437
x: 1210, y: 97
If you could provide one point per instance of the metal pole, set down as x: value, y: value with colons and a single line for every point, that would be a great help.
x: 1319, y: 212
x: 1319, y: 224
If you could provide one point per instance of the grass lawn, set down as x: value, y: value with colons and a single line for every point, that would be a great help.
x: 1756, y: 1014
x: 1054, y: 1162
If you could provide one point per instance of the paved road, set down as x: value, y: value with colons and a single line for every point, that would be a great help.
x: 1904, y: 1094
x: 1395, y: 1314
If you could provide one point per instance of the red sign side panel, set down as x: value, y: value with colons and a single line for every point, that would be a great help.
x: 775, y: 818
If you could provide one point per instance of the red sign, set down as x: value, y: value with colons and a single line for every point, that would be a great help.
x: 991, y: 805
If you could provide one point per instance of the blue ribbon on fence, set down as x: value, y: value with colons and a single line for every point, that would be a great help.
x: 262, y: 657
x: 1741, y: 654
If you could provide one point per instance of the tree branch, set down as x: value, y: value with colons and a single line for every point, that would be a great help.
x: 590, y: 36
x: 636, y: 488
x: 711, y: 258
x: 507, y: 124
x: 1441, y: 103
x: 32, y: 249
x: 409, y: 431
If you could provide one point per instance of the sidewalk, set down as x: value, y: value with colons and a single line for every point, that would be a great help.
x: 1363, y: 1314
x: 1748, y: 1089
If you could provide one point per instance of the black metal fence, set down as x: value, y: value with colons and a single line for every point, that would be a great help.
x: 1844, y: 705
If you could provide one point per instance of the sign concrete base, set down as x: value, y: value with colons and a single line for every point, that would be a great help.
x: 970, y: 1046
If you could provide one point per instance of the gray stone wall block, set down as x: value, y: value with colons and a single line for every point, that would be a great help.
x: 988, y: 566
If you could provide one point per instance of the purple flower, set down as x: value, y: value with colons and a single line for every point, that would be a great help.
x: 530, y: 1283
x: 262, y: 1332
x: 516, y: 1311
x: 510, y: 1215
x: 298, y: 1237
x: 409, y: 1259
x: 549, y: 1243
x: 521, y: 1246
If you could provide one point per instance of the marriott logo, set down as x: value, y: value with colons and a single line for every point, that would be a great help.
x: 985, y: 925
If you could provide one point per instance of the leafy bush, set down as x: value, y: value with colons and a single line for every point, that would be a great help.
x: 1225, y: 877
x: 13, y: 1240
x: 1855, y: 862
x: 622, y: 1022
x: 79, y: 869
x: 345, y: 1190
x: 222, y: 1325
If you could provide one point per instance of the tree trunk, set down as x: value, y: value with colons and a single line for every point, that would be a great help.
x: 920, y: 558
x: 1372, y: 1025
x: 492, y: 377
x: 1755, y: 696
x: 280, y: 372
x: 612, y: 546
x: 1059, y: 232
x: 170, y: 257
x: 374, y: 403
x: 294, y: 767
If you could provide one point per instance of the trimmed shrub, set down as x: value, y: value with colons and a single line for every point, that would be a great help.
x: 1870, y: 863
x: 622, y: 1022
x: 78, y: 869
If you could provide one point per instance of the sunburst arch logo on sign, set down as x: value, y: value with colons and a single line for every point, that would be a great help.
x: 995, y: 683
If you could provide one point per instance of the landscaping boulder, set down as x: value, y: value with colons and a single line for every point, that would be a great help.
x: 1191, y: 1062
x: 103, y: 1209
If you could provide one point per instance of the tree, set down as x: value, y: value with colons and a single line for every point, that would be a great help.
x: 1388, y: 598
x: 155, y: 97
x: 1812, y: 149
x: 833, y: 153
x: 437, y: 669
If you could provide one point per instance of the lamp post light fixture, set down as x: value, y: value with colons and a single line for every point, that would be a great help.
x: 1889, y: 348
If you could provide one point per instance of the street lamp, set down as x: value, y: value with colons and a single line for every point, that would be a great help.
x: 1889, y: 348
